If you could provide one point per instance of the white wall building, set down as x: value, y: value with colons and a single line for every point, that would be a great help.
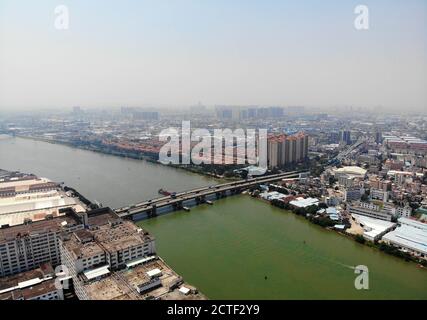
x: 410, y: 236
x: 25, y: 247
x: 379, y: 194
x: 370, y: 210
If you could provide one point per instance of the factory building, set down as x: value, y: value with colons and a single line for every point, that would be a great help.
x: 107, y: 244
x: 25, y: 247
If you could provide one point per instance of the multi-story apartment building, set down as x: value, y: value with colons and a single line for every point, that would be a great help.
x: 283, y: 149
x: 380, y: 184
x: 346, y: 181
x: 108, y: 244
x: 401, y: 211
x: 345, y: 136
x: 37, y: 284
x: 379, y: 194
x: 25, y: 247
x: 370, y: 210
x: 406, y: 144
x: 273, y: 153
x: 383, y: 210
x: 352, y: 194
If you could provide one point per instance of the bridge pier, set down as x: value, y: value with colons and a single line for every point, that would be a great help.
x: 153, y: 211
x: 200, y: 199
x: 199, y: 196
x: 177, y: 205
x: 235, y: 191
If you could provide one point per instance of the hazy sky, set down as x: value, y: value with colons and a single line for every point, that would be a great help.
x: 179, y: 52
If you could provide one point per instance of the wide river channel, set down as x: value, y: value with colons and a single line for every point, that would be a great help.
x: 238, y: 248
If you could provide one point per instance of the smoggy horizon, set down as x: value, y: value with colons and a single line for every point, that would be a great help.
x: 174, y: 54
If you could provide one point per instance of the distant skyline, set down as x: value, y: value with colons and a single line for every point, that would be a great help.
x: 177, y: 53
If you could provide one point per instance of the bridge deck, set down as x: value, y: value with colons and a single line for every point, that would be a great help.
x: 180, y: 197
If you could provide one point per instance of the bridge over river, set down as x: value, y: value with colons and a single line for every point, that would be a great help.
x: 197, y: 196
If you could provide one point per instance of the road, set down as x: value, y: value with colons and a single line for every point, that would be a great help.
x: 200, y: 193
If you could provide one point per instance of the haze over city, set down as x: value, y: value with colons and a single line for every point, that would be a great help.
x: 176, y: 53
x: 214, y: 155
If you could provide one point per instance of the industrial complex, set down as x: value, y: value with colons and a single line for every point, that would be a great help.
x: 63, y: 248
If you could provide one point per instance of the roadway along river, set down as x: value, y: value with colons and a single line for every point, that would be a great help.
x: 238, y: 248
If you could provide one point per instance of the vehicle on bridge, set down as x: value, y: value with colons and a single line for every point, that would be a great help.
x: 167, y: 193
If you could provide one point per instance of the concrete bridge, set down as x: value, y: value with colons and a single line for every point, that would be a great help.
x: 200, y: 195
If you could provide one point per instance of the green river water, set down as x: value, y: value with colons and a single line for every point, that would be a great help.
x: 242, y: 248
x: 238, y: 248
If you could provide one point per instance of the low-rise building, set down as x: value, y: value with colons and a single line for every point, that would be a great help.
x: 37, y: 284
x: 373, y: 228
x: 350, y: 171
x: 331, y: 201
x: 142, y: 279
x: 370, y: 210
x: 410, y: 236
x: 304, y: 202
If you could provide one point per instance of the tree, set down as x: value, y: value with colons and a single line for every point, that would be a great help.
x: 300, y: 211
x: 359, y: 238
x: 323, y: 205
x: 414, y: 205
x: 312, y: 209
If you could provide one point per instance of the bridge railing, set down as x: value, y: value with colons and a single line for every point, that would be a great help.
x: 212, y: 188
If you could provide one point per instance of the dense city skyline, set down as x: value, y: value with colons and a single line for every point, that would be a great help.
x: 350, y: 177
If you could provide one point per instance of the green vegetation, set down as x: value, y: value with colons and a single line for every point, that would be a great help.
x: 310, y: 214
x: 359, y: 238
x: 394, y: 251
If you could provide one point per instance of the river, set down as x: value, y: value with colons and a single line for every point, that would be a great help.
x: 238, y: 248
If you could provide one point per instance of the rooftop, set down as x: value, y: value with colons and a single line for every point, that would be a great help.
x: 373, y: 227
x: 82, y: 249
x: 303, y: 203
x: 23, y: 184
x: 38, y: 227
x: 352, y: 170
x: 35, y: 206
x: 121, y: 236
x: 28, y: 284
x: 107, y: 232
x: 409, y: 236
x: 122, y: 284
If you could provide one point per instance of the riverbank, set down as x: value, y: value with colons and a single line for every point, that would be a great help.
x: 111, y: 180
x: 226, y: 249
x: 128, y: 155
x: 311, y: 215
x: 243, y: 248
